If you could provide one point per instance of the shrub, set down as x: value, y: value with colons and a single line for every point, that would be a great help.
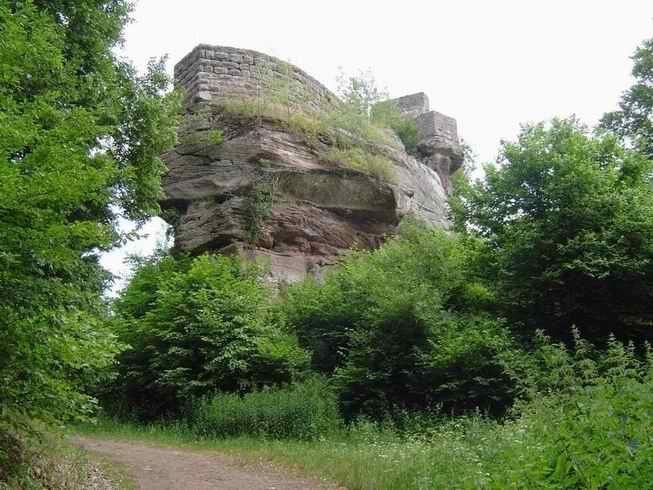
x: 404, y: 327
x: 589, y: 425
x: 197, y: 326
x: 358, y: 159
x: 387, y: 114
x: 306, y: 410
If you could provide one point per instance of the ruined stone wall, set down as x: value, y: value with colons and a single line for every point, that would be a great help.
x: 413, y: 105
x: 214, y: 73
x: 437, y: 135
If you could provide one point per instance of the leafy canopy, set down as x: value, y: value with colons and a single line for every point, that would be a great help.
x: 80, y: 133
x: 568, y: 218
x: 634, y: 119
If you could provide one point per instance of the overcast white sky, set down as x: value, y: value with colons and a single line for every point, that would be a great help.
x: 492, y: 65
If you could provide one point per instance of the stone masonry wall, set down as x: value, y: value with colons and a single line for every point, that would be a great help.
x: 211, y: 73
x: 413, y: 105
x: 437, y: 135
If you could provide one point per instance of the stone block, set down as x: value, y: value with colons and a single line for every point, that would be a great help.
x: 434, y: 125
x: 229, y: 66
x: 413, y: 105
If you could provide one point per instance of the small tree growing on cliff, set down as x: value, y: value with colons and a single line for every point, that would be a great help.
x: 360, y: 92
x: 281, y: 89
x: 367, y: 108
x: 264, y: 77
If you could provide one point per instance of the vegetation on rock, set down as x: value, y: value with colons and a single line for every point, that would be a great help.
x: 363, y: 119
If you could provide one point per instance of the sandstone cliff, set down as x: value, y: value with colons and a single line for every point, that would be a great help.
x: 266, y: 183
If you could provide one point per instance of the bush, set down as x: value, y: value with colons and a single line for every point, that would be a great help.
x: 589, y: 424
x: 197, y: 326
x: 405, y: 327
x: 303, y: 411
x: 568, y: 218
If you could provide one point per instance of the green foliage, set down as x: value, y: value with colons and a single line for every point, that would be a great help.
x: 216, y: 137
x: 259, y: 204
x: 634, y: 119
x: 560, y: 235
x: 387, y: 114
x: 197, y: 326
x: 79, y: 133
x: 588, y: 425
x: 569, y: 223
x: 369, y: 163
x: 308, y: 410
x: 212, y: 137
x: 404, y: 327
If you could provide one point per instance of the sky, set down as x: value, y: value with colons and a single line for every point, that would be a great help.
x: 492, y: 65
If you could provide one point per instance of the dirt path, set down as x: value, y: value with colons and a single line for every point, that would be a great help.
x: 160, y: 468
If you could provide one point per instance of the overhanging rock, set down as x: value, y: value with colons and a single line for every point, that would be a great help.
x: 265, y: 189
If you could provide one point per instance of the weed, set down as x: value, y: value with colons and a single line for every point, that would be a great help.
x: 259, y: 203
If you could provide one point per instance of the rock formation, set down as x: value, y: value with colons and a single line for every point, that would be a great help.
x: 253, y: 183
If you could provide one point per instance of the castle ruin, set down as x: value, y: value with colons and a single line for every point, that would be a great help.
x: 317, y: 210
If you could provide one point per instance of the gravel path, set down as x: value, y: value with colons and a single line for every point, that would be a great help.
x: 161, y: 468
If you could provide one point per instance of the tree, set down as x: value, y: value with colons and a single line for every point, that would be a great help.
x: 195, y: 327
x: 80, y: 135
x: 634, y: 120
x: 568, y: 218
x: 407, y: 326
x: 366, y: 108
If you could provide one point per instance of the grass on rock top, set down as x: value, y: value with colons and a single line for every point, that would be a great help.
x: 350, y: 136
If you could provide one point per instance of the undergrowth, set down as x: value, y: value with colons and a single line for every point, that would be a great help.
x: 306, y: 410
x: 588, y: 424
x: 45, y: 460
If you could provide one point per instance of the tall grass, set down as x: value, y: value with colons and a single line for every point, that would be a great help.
x: 307, y: 410
x: 339, y: 125
x: 358, y: 159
